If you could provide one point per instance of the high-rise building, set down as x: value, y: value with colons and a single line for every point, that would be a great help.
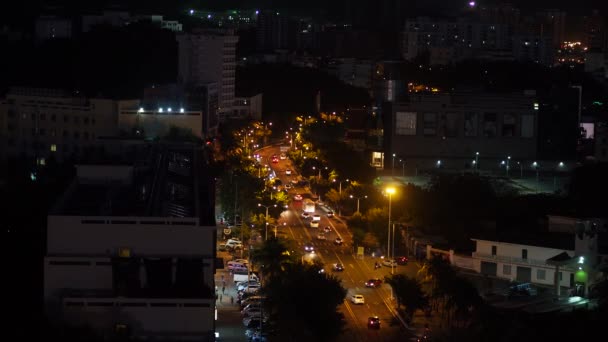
x: 595, y: 28
x: 272, y: 31
x: 209, y: 56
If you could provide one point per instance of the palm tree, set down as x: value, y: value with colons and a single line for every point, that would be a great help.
x: 271, y: 258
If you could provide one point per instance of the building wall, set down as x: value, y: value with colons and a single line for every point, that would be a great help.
x: 209, y: 56
x: 48, y: 27
x: 456, y: 126
x: 180, y: 318
x: 78, y: 235
x: 94, y: 273
x: 508, y: 254
x: 155, y: 124
x: 46, y: 123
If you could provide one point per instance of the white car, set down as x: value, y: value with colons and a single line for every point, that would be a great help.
x: 305, y: 215
x: 243, y: 287
x: 288, y: 186
x: 316, y: 217
x: 234, y: 245
x: 288, y: 172
x: 283, y: 156
x: 389, y: 263
x: 357, y: 299
x: 252, y: 288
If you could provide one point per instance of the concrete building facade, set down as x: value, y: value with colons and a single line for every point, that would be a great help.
x: 446, y: 130
x: 206, y: 56
x: 51, y: 123
x: 129, y: 251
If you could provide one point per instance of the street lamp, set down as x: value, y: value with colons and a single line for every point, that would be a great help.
x: 402, y: 166
x: 521, y: 170
x: 557, y: 169
x: 358, y: 198
x: 393, y: 169
x: 508, y: 160
x: 390, y: 192
x: 476, y: 161
x: 340, y: 185
x: 535, y: 166
x: 266, y: 219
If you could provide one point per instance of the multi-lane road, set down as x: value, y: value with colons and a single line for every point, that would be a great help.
x: 357, y: 270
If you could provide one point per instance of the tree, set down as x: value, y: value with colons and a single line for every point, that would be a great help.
x: 272, y: 258
x: 303, y: 303
x: 408, y: 292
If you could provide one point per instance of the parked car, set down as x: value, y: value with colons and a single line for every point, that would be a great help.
x: 252, y: 288
x: 234, y: 245
x: 373, y: 322
x: 357, y: 299
x: 338, y: 267
x: 375, y: 282
x: 245, y: 285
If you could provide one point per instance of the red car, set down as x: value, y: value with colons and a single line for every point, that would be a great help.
x: 373, y: 322
x: 401, y: 260
x: 373, y: 282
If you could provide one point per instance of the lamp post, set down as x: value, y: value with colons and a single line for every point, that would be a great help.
x: 557, y: 170
x: 340, y: 185
x: 393, y: 169
x: 390, y: 192
x: 358, y: 198
x: 266, y: 219
x: 535, y: 166
x: 476, y: 162
x: 508, y: 160
x: 402, y: 167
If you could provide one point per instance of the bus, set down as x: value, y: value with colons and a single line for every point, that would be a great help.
x: 309, y: 205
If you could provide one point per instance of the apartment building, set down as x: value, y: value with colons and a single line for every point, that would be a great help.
x: 50, y: 123
x: 131, y: 248
x: 206, y: 56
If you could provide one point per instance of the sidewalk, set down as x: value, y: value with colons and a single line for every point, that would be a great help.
x: 229, y: 323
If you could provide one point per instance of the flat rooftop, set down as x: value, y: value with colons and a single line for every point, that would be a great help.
x: 162, y: 181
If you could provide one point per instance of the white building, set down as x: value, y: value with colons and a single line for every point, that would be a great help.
x: 209, y: 56
x: 51, y: 123
x: 130, y: 250
x: 568, y: 258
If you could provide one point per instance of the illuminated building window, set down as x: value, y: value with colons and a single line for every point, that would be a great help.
x: 53, y: 148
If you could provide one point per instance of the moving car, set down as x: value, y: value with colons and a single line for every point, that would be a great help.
x: 234, y: 245
x: 373, y: 322
x: 288, y: 186
x: 327, y: 229
x: 338, y: 241
x: 401, y: 260
x: 297, y: 197
x: 338, y: 267
x: 375, y: 282
x: 314, y: 224
x: 283, y: 156
x: 330, y: 214
x: 316, y: 217
x: 321, y: 236
x: 305, y: 215
x: 357, y: 299
x: 288, y: 172
x: 309, y: 247
x: 389, y: 263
